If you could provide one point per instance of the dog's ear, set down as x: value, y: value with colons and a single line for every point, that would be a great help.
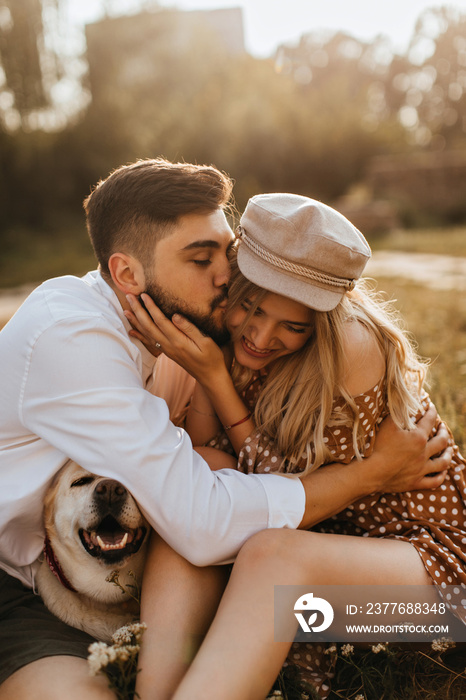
x: 52, y: 488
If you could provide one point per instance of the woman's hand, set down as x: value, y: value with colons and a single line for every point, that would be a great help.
x: 198, y: 355
x: 178, y: 339
x: 144, y: 334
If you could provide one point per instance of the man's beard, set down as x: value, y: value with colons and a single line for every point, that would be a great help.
x: 170, y: 304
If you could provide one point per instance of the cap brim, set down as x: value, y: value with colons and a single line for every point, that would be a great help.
x: 286, y: 283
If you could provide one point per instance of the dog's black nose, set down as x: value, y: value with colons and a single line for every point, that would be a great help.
x: 110, y: 492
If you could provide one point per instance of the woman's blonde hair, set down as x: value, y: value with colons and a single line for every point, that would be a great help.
x: 296, y: 401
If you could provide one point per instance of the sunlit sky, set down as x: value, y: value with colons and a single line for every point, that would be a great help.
x: 271, y: 22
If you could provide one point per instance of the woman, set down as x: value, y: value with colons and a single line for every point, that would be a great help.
x: 315, y: 365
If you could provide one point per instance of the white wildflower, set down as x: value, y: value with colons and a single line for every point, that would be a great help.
x: 118, y: 662
x: 129, y: 634
x: 442, y: 644
x: 379, y: 647
x: 111, y: 654
x: 98, y: 657
x: 138, y: 629
x: 359, y: 697
x: 347, y: 649
x: 132, y: 649
x: 122, y: 636
x: 330, y: 650
x: 123, y: 653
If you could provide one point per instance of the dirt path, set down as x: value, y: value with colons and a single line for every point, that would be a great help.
x: 442, y: 272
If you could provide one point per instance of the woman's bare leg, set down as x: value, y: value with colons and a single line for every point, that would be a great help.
x: 56, y: 678
x: 178, y: 603
x: 239, y: 659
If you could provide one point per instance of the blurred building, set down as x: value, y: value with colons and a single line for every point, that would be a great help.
x: 429, y: 183
x: 409, y: 189
x: 122, y: 51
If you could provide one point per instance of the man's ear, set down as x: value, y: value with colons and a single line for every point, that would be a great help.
x: 127, y: 273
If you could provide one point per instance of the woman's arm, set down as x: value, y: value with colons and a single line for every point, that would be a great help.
x: 232, y: 413
x: 202, y: 423
x: 364, y: 362
x: 216, y: 459
x: 201, y: 357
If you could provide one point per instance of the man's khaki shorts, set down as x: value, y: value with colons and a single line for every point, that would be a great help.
x: 28, y: 631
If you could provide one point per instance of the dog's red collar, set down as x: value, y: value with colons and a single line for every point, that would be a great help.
x: 55, y: 567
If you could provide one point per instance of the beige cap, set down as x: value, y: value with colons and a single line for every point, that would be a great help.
x: 300, y: 248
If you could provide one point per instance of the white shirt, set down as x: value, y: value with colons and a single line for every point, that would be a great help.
x: 74, y: 387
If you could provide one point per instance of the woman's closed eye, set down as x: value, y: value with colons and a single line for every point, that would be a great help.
x: 246, y: 306
x: 295, y: 329
x: 202, y: 263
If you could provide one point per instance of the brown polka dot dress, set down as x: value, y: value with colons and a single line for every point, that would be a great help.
x: 434, y: 521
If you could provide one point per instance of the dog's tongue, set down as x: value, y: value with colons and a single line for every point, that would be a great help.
x: 111, y: 540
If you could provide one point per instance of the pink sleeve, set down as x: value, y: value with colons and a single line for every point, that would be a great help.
x: 173, y: 384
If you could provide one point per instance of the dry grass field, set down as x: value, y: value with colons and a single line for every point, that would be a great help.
x: 437, y: 321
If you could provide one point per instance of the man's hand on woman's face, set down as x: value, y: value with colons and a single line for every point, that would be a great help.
x: 177, y: 338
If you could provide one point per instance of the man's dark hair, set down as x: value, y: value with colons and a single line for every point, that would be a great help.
x: 137, y: 205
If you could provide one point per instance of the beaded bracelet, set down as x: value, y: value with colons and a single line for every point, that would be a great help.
x: 233, y: 425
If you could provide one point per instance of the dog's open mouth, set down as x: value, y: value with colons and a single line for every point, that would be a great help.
x: 111, y: 541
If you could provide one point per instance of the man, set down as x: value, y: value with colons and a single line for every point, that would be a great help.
x: 76, y: 386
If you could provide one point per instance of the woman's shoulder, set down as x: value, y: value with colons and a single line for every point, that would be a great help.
x: 364, y: 361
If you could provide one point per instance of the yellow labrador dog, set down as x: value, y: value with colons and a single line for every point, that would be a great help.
x: 94, y: 531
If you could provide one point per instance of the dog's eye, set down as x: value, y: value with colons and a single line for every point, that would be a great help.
x: 83, y: 481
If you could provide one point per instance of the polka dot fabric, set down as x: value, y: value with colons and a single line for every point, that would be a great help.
x: 259, y: 454
x: 434, y: 521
